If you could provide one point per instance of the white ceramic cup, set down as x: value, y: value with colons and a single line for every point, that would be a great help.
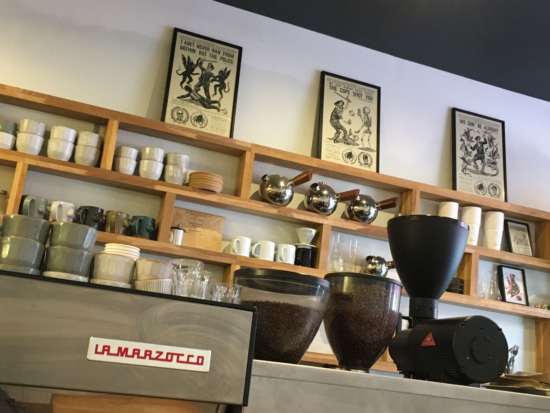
x: 240, y: 246
x: 448, y: 209
x: 494, y: 220
x: 60, y: 149
x: 7, y: 140
x: 63, y: 133
x: 473, y: 236
x: 471, y: 215
x: 150, y: 153
x: 86, y: 155
x: 89, y: 139
x: 62, y: 211
x: 32, y: 126
x: 493, y: 238
x: 147, y: 269
x: 127, y: 152
x: 113, y: 267
x: 264, y: 250
x: 173, y: 158
x: 125, y: 165
x: 150, y: 169
x: 175, y: 174
x: 29, y: 143
x: 286, y: 253
x: 306, y: 235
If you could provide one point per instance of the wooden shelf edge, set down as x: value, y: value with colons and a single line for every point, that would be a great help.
x: 505, y: 257
x: 323, y: 358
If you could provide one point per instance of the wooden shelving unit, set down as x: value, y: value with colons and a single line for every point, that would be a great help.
x: 411, y: 193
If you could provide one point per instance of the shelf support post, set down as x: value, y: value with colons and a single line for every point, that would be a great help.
x: 165, y: 217
x: 109, y: 144
x: 468, y: 271
x: 542, y: 240
x: 17, y: 188
x: 410, y: 202
x: 542, y: 349
x: 323, y: 246
x: 228, y: 273
x: 244, y: 175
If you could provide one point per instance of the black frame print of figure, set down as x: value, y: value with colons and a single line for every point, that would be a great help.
x: 202, y: 84
x: 512, y: 285
x: 519, y: 237
x: 349, y: 122
x: 479, y: 155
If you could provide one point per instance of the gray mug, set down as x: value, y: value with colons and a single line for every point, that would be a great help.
x: 22, y: 252
x: 73, y: 235
x: 7, y: 126
x: 34, y: 206
x: 26, y: 227
x: 68, y: 260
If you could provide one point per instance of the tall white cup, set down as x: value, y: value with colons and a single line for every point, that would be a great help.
x: 286, y: 253
x: 240, y: 246
x: 493, y: 238
x: 471, y: 215
x: 494, y: 220
x: 448, y: 209
x: 264, y: 250
x: 473, y: 236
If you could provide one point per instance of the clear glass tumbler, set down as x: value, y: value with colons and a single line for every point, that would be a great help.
x: 227, y: 293
x: 184, y: 275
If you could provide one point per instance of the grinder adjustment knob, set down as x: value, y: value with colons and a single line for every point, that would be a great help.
x: 482, y: 349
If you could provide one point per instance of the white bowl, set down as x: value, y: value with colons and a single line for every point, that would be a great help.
x: 127, y: 152
x: 152, y: 154
x: 89, y: 139
x: 163, y: 286
x: 110, y: 283
x: 6, y: 140
x: 60, y: 149
x: 63, y: 133
x: 32, y: 126
x: 125, y: 165
x: 150, y: 169
x: 65, y: 276
x: 86, y: 155
x: 29, y: 143
x: 147, y: 269
x: 113, y: 267
x: 173, y: 158
x: 175, y: 174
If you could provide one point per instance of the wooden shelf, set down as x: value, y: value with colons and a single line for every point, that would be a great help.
x: 504, y: 257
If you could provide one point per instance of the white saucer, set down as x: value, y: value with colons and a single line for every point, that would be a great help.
x: 110, y: 283
x: 305, y: 245
x: 65, y: 276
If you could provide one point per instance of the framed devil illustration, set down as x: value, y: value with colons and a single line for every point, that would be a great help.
x: 479, y: 155
x: 512, y: 285
x: 202, y: 83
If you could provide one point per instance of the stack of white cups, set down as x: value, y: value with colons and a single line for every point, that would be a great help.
x: 87, y: 148
x: 151, y: 163
x: 61, y: 143
x: 493, y: 226
x: 176, y: 167
x: 471, y: 215
x: 30, y: 136
x: 448, y: 209
x: 125, y: 161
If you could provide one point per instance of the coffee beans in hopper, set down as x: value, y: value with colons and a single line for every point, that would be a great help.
x: 284, y: 330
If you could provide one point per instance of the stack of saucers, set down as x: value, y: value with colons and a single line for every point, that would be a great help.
x: 30, y: 136
x: 7, y: 134
x: 124, y: 250
x: 153, y: 276
x: 87, y: 148
x: 206, y: 180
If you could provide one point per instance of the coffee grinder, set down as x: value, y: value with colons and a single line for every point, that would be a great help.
x: 427, y: 251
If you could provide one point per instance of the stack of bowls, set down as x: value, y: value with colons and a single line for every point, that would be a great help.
x: 7, y: 134
x: 30, y: 136
x: 61, y: 143
x: 124, y: 250
x: 456, y: 286
x: 472, y: 216
x: 153, y: 276
x: 115, y: 266
x: 176, y: 167
x: 87, y: 148
x: 493, y: 226
x: 125, y: 161
x: 448, y: 209
x: 206, y: 180
x: 22, y: 243
x: 151, y: 163
x: 70, y: 253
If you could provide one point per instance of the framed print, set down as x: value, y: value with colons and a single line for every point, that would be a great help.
x: 202, y: 84
x: 349, y: 122
x: 511, y: 282
x: 479, y: 155
x: 519, y: 237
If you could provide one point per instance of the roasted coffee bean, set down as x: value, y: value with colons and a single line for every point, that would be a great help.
x: 284, y: 330
x: 360, y: 324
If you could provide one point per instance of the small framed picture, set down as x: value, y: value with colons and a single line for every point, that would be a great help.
x: 512, y: 285
x: 349, y: 122
x: 519, y: 237
x: 202, y: 84
x: 479, y: 155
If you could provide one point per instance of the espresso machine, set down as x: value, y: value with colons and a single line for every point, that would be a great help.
x: 427, y: 251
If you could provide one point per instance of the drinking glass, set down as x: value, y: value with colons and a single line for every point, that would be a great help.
x: 336, y: 255
x: 493, y: 292
x: 184, y: 275
x: 227, y: 293
x: 351, y: 258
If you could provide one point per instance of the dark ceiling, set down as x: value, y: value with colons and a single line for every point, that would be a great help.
x: 505, y: 43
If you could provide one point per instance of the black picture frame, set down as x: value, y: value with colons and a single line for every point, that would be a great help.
x: 485, y: 185
x: 510, y: 227
x: 233, y: 88
x: 505, y: 273
x: 361, y: 157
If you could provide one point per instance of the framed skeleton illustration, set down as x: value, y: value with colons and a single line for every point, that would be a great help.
x: 349, y: 122
x: 202, y: 84
x: 479, y: 155
x: 512, y: 285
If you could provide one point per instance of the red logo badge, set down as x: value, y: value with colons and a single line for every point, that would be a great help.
x: 428, y: 341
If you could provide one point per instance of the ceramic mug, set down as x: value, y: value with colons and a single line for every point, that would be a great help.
x: 143, y: 227
x: 32, y: 126
x: 173, y: 158
x: 113, y: 267
x: 89, y: 139
x: 68, y: 260
x: 152, y: 154
x: 60, y: 149
x: 286, y: 253
x: 125, y: 165
x: 63, y: 133
x: 264, y: 250
x: 150, y: 169
x: 62, y: 211
x: 72, y: 235
x: 91, y: 216
x: 29, y: 143
x: 86, y: 155
x: 174, y: 174
x: 305, y: 256
x: 147, y: 269
x: 8, y: 127
x: 240, y: 246
x: 6, y: 140
x: 127, y: 152
x: 21, y: 252
x: 116, y: 222
x: 24, y: 226
x: 34, y: 206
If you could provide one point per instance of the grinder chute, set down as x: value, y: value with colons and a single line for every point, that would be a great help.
x: 427, y: 251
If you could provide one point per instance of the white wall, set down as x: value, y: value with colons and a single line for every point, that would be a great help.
x: 115, y: 54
